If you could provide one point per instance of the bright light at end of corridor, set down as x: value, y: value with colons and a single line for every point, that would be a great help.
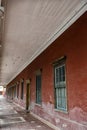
x: 1, y: 88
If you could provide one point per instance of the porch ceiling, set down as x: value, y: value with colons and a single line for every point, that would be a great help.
x: 30, y: 26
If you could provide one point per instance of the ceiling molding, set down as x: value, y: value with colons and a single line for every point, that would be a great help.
x: 79, y: 11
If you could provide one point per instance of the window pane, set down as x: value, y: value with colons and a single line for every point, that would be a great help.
x: 60, y: 76
x: 63, y: 73
x: 38, y: 89
x: 60, y: 87
x: 17, y: 90
x: 57, y: 75
x: 22, y: 89
x: 60, y: 98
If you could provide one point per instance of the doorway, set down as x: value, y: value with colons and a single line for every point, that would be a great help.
x: 27, y: 96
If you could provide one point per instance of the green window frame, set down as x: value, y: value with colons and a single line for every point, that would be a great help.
x: 60, y: 85
x: 38, y: 89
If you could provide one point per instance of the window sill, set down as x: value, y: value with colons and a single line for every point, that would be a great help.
x: 62, y: 111
x: 40, y: 105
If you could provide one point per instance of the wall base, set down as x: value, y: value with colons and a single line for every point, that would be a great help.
x: 44, y: 121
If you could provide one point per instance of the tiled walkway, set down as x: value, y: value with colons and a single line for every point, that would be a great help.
x: 14, y: 118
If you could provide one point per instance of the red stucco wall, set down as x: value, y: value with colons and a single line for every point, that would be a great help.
x: 73, y: 44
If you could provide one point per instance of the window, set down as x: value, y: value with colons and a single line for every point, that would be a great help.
x: 60, y: 85
x: 18, y: 90
x: 14, y: 90
x: 38, y: 88
x: 22, y: 89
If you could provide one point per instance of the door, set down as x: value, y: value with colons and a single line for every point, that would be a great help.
x: 27, y: 96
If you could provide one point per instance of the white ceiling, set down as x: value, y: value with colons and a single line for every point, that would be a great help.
x: 30, y: 26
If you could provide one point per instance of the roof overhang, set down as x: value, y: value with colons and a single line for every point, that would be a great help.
x: 80, y: 9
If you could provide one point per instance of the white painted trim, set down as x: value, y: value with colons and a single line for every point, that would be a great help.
x: 80, y: 10
x: 45, y: 122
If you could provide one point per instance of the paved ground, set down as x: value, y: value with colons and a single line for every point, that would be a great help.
x: 14, y: 118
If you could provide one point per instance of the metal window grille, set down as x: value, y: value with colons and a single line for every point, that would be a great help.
x: 38, y: 89
x: 60, y: 87
x: 18, y: 91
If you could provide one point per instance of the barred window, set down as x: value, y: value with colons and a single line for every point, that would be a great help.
x: 60, y: 86
x: 17, y: 90
x: 38, y: 89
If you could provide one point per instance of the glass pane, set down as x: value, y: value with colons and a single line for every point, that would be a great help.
x: 56, y: 75
x: 63, y: 69
x: 60, y: 98
x: 38, y: 89
x: 60, y: 87
x: 60, y: 76
x: 59, y: 92
x: 59, y: 103
x: 63, y: 92
x: 64, y: 103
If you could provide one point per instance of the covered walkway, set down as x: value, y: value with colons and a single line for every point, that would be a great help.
x: 14, y: 118
x: 43, y: 64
